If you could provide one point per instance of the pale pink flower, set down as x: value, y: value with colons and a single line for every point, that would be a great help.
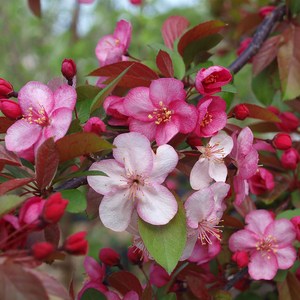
x: 111, y: 48
x: 134, y: 182
x: 210, y: 81
x: 114, y: 108
x: 210, y: 165
x: 45, y: 114
x: 268, y: 243
x: 204, y: 210
x: 211, y: 116
x: 160, y: 111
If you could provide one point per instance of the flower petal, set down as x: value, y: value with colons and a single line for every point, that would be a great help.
x: 123, y: 33
x: 199, y: 177
x: 65, y: 96
x: 165, y: 161
x: 286, y: 257
x: 165, y: 132
x: 148, y: 129
x: 224, y: 142
x: 217, y: 171
x: 156, y: 204
x: 258, y: 220
x: 243, y: 240
x: 93, y: 269
x: 116, y: 209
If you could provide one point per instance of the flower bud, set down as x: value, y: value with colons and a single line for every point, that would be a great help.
x: 296, y: 223
x: 241, y: 258
x: 109, y: 257
x: 54, y: 208
x: 42, y: 250
x: 282, y: 141
x: 76, y: 244
x: 274, y: 110
x: 261, y: 182
x: 289, y: 122
x: 290, y: 158
x: 10, y: 109
x: 265, y: 10
x: 135, y: 255
x: 136, y: 2
x: 94, y: 125
x: 241, y: 112
x: 68, y: 68
x: 5, y: 88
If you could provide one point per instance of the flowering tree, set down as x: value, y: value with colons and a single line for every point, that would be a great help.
x: 232, y: 223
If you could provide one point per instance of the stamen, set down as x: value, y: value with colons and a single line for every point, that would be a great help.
x: 206, y: 229
x: 162, y: 114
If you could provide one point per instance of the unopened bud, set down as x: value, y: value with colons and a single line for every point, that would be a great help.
x: 10, y: 108
x: 109, y: 257
x: 135, y: 255
x: 6, y: 88
x: 68, y: 69
x: 76, y: 244
x: 241, y: 258
x: 94, y: 125
x: 42, y: 250
x: 54, y: 208
x: 241, y: 112
x: 290, y: 159
x: 282, y: 141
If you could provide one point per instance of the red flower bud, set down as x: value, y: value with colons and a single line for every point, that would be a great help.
x: 296, y: 223
x: 241, y: 258
x: 289, y: 122
x: 42, y: 250
x: 10, y: 109
x: 76, y: 244
x: 243, y: 46
x: 54, y: 208
x: 265, y: 10
x: 136, y: 2
x: 68, y: 69
x: 290, y: 158
x: 241, y: 112
x: 282, y: 141
x: 5, y: 88
x: 109, y: 257
x: 135, y: 255
x: 274, y: 110
x: 94, y: 125
x: 261, y: 182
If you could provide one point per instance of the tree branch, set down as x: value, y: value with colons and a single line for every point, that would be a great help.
x: 261, y: 34
x: 238, y: 276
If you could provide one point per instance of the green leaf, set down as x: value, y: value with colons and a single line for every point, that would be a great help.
x: 165, y: 243
x: 100, y: 97
x: 294, y: 6
x: 169, y: 296
x: 198, y: 67
x: 77, y: 200
x: 229, y: 88
x: 92, y: 294
x: 288, y: 214
x: 178, y: 65
x: 228, y: 97
x: 222, y: 295
x: 248, y: 296
x: 281, y: 275
x: 9, y: 202
x: 80, y: 174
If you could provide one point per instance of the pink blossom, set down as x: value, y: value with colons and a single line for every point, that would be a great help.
x: 134, y: 182
x: 136, y: 2
x: 131, y: 295
x: 241, y: 258
x: 210, y: 165
x: 94, y: 125
x: 158, y: 276
x: 45, y: 114
x: 111, y: 48
x: 290, y: 159
x: 268, y: 243
x: 296, y: 223
x: 160, y: 111
x: 209, y: 81
x: 261, y: 182
x: 113, y: 106
x: 211, y: 116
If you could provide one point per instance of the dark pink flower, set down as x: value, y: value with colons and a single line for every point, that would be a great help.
x: 68, y: 68
x: 290, y: 159
x: 268, y: 243
x: 109, y: 257
x: 241, y: 112
x: 158, y: 276
x: 211, y: 116
x: 289, y: 122
x: 94, y: 125
x: 111, y: 48
x: 210, y: 81
x: 241, y: 258
x: 136, y: 2
x: 261, y: 182
x: 6, y: 88
x: 114, y: 108
x: 296, y: 223
x: 10, y: 108
x: 42, y: 250
x: 282, y: 141
x: 160, y: 111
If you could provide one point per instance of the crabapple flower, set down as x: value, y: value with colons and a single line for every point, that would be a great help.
x: 261, y: 182
x: 209, y: 81
x: 45, y: 114
x: 114, y: 108
x: 290, y: 159
x: 134, y: 182
x: 111, y: 48
x: 268, y: 243
x: 211, y: 116
x: 210, y: 165
x: 160, y: 111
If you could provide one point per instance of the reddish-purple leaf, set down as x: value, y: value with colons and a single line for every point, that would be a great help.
x: 232, y: 222
x: 198, y: 288
x: 264, y: 127
x: 12, y: 184
x: 289, y: 289
x: 80, y: 143
x: 9, y: 158
x: 19, y: 284
x: 125, y: 282
x: 35, y: 7
x: 5, y: 123
x: 147, y: 293
x: 46, y: 163
x: 247, y: 24
x: 164, y: 64
x: 137, y: 75
x: 266, y: 54
x: 200, y: 31
x: 173, y: 28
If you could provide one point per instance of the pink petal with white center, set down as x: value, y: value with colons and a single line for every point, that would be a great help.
x: 199, y: 177
x: 93, y: 269
x: 133, y: 150
x: 283, y: 231
x: 147, y: 129
x: 247, y: 166
x: 138, y: 105
x: 165, y: 132
x: 199, y: 207
x: 36, y: 95
x: 166, y: 90
x: 156, y: 204
x: 224, y: 142
x: 258, y: 221
x: 65, y: 96
x: 22, y: 135
x: 243, y: 240
x: 263, y: 266
x: 116, y: 209
x: 186, y: 114
x: 165, y: 161
x: 286, y: 257
x: 123, y: 33
x: 217, y: 171
x: 114, y: 180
